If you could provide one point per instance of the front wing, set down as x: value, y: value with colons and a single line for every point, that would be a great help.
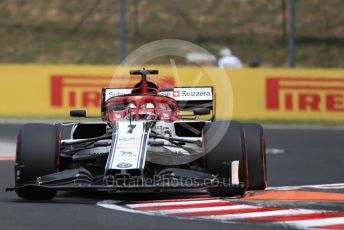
x: 81, y: 179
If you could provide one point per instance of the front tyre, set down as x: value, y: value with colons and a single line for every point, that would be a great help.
x: 38, y: 147
x: 224, y: 143
x: 255, y: 142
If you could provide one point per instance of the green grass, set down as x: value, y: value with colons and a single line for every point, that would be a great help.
x: 39, y: 31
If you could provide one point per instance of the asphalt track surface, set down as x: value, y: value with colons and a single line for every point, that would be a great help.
x: 311, y: 156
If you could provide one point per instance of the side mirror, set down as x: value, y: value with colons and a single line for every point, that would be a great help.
x: 77, y: 113
x: 201, y: 111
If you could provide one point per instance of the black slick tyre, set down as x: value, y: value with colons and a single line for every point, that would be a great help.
x: 224, y: 143
x: 256, y: 156
x: 37, y: 153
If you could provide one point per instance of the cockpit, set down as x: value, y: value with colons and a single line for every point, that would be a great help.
x: 141, y: 107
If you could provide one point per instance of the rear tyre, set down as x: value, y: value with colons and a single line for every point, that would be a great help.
x: 255, y: 142
x: 224, y: 143
x: 38, y: 148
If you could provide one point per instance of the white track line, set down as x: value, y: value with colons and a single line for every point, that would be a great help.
x: 314, y: 222
x: 158, y: 204
x: 216, y: 208
x: 262, y: 214
x: 275, y: 151
x: 121, y: 208
x: 317, y: 186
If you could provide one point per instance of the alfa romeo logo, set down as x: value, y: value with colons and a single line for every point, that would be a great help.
x: 124, y: 165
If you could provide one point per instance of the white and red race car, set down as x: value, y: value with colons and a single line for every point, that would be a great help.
x: 148, y: 138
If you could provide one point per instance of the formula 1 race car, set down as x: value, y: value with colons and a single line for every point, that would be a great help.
x: 149, y: 138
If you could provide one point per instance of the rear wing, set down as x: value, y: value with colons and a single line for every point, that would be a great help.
x: 186, y: 97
